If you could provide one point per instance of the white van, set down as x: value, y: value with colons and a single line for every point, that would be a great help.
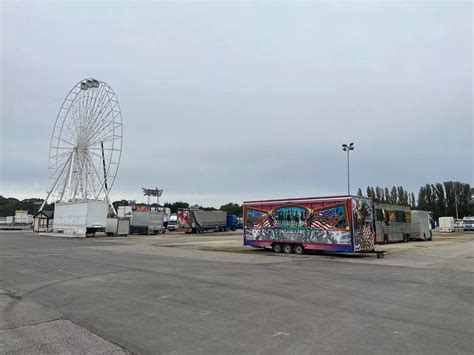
x: 446, y: 224
x: 420, y: 225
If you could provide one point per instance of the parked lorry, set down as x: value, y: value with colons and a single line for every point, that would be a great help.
x: 339, y: 223
x: 420, y: 225
x: 147, y: 222
x: 198, y: 221
x: 392, y: 223
x: 446, y: 224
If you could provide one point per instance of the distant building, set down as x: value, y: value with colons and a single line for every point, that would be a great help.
x: 43, y: 221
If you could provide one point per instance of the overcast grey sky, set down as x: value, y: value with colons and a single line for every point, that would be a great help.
x: 229, y: 102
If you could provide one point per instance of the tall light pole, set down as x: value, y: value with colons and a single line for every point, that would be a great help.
x: 348, y: 148
x: 456, y: 202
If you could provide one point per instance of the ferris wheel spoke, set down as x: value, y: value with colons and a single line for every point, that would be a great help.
x: 91, y: 106
x: 98, y: 126
x: 102, y: 119
x: 102, y: 133
x: 102, y: 97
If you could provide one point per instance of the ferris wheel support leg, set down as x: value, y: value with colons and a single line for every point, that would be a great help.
x: 112, y: 206
x: 46, y: 199
x: 53, y: 187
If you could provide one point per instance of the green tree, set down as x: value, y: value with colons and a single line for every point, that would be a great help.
x: 233, y: 208
x: 387, y: 195
x: 175, y: 206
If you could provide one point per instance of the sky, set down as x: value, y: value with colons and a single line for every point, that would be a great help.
x: 235, y: 101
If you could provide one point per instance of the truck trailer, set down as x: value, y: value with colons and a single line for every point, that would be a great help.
x: 335, y: 223
x: 198, y: 221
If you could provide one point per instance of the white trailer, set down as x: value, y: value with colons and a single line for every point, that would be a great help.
x: 420, y: 225
x: 80, y: 218
x: 446, y: 224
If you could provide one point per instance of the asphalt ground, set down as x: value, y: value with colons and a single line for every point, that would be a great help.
x: 201, y: 294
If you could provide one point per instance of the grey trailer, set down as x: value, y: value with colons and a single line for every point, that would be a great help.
x: 117, y: 226
x: 199, y: 221
x: 392, y: 223
x: 147, y: 222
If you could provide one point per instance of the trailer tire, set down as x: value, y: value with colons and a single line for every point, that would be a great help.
x: 287, y: 248
x: 298, y: 249
x: 277, y: 248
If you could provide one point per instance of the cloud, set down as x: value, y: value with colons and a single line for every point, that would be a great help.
x: 242, y: 101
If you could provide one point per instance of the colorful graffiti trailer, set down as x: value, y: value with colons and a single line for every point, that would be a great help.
x: 339, y: 223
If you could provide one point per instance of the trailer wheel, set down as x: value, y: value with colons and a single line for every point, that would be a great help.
x: 287, y: 248
x: 298, y: 249
x: 277, y: 248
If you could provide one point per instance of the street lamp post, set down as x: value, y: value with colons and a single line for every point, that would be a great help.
x: 348, y: 148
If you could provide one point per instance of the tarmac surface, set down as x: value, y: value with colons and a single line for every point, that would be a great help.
x: 201, y: 294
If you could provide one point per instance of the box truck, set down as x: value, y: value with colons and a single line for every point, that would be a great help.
x: 337, y: 223
x: 446, y: 224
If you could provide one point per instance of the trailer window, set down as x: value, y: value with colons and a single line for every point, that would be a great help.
x: 391, y: 216
x: 402, y: 216
x: 378, y: 214
x: 407, y: 217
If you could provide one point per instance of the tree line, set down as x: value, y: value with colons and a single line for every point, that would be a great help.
x: 439, y: 198
x: 8, y: 205
x: 175, y: 206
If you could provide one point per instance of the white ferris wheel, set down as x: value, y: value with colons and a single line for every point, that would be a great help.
x: 86, y: 144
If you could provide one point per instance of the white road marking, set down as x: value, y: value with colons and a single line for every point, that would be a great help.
x: 280, y: 333
x: 204, y: 313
